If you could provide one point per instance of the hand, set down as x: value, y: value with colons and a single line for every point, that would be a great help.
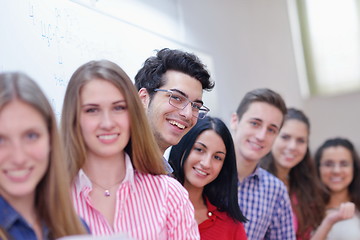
x: 345, y: 211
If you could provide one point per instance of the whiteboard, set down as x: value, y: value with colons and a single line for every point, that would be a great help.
x: 50, y: 39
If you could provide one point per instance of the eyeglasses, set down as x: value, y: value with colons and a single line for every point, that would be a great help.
x: 179, y: 101
x: 331, y: 165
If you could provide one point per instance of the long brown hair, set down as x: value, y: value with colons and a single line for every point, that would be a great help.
x: 52, y: 198
x: 305, y: 189
x: 142, y: 147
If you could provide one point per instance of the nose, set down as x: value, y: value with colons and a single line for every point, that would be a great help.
x: 107, y: 121
x: 187, y: 111
x: 18, y: 153
x: 205, y: 162
x: 261, y: 134
x: 292, y: 144
x: 336, y: 168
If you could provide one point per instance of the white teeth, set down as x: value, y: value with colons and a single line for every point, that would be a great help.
x: 18, y: 173
x: 336, y: 179
x: 289, y: 156
x: 179, y: 125
x: 200, y: 172
x: 256, y: 145
x: 108, y: 137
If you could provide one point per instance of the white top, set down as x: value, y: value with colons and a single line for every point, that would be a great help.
x: 347, y: 229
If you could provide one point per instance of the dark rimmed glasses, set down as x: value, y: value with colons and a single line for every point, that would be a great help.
x: 176, y: 99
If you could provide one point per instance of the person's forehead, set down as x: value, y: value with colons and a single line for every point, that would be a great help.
x: 190, y: 86
x: 264, y: 112
x: 337, y: 152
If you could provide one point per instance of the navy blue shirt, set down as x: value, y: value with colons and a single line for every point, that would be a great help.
x: 15, y: 225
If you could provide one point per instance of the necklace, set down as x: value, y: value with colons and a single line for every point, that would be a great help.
x: 106, y: 189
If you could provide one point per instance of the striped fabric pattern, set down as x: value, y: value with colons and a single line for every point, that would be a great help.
x: 147, y: 207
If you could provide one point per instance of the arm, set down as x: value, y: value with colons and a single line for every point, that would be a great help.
x: 345, y: 211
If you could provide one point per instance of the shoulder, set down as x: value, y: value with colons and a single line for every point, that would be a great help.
x: 8, y: 214
x: 269, y: 180
x: 163, y: 183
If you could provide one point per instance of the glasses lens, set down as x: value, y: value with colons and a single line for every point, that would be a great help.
x: 178, y: 100
x: 201, y: 114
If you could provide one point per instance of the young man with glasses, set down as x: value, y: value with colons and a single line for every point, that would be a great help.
x: 170, y: 86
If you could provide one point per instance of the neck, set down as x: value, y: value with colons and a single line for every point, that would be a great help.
x: 195, y: 195
x: 244, y: 168
x: 25, y: 206
x: 163, y: 149
x: 337, y: 198
x: 283, y: 174
x: 105, y: 172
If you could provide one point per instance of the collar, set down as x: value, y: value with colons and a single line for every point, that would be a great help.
x: 82, y: 181
x: 257, y: 172
x: 168, y: 168
x: 214, y: 210
x: 9, y: 216
x: 254, y: 175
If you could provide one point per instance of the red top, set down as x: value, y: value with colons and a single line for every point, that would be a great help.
x: 220, y: 226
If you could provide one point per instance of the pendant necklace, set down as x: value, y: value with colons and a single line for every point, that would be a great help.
x: 106, y: 190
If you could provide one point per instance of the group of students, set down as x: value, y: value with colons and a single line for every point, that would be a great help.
x: 105, y: 173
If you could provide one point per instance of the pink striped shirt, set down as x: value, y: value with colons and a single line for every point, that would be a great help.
x: 147, y: 207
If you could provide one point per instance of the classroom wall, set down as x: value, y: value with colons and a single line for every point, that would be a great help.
x: 252, y: 46
x: 246, y: 43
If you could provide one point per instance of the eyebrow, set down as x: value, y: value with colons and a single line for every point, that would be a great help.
x: 95, y: 104
x: 272, y: 124
x: 207, y: 147
x: 185, y: 95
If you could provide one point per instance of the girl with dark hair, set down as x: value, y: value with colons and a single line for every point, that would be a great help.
x: 339, y: 169
x: 204, y: 162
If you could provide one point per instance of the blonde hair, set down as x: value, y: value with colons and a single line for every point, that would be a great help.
x: 142, y: 147
x: 52, y: 197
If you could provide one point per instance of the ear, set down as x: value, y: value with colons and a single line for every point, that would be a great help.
x: 234, y: 121
x: 144, y: 97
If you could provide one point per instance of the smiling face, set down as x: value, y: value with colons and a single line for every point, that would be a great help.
x: 205, y: 160
x: 336, y: 168
x: 24, y: 150
x: 168, y: 123
x: 104, y: 119
x: 290, y: 146
x: 256, y: 131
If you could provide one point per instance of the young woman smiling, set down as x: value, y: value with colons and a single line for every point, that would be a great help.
x: 204, y: 162
x: 34, y: 184
x: 119, y: 181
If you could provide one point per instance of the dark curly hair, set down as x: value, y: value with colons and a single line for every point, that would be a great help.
x: 150, y: 76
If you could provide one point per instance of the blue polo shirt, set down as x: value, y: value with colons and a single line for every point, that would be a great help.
x: 15, y: 225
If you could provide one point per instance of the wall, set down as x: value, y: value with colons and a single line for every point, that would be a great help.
x: 50, y: 39
x: 248, y: 44
x: 252, y: 45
